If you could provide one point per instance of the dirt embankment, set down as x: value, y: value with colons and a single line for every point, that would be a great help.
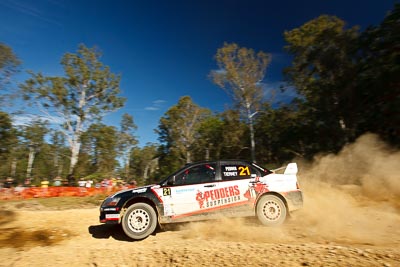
x: 351, y: 217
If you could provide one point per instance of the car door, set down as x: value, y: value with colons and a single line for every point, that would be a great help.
x: 237, y: 179
x: 181, y: 195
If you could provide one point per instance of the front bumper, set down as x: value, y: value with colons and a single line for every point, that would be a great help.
x: 110, y: 215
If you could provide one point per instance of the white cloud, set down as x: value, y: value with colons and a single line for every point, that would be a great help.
x: 32, y: 10
x: 156, y: 105
x: 25, y: 119
x: 151, y: 108
x: 274, y: 94
x: 22, y: 119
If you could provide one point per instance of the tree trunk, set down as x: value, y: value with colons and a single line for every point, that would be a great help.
x: 56, y: 167
x: 60, y: 170
x: 146, y: 172
x: 13, y: 167
x: 188, y: 156
x: 74, y: 156
x: 30, y: 161
x: 252, y: 142
x: 75, y: 142
x: 251, y: 126
x: 128, y: 159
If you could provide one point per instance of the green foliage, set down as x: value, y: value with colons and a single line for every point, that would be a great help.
x: 7, y: 135
x: 9, y: 63
x: 347, y: 83
x: 99, y: 146
x: 33, y: 134
x: 87, y: 92
x: 323, y: 72
x: 144, y: 164
x: 209, y: 139
x: 178, y: 128
x: 126, y: 141
x: 378, y: 88
x: 241, y: 73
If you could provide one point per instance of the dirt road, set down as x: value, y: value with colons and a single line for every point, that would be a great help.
x: 75, y: 238
x: 356, y: 223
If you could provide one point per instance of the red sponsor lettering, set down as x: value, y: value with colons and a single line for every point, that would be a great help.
x: 216, y: 194
x: 236, y: 189
x: 222, y: 192
x: 206, y: 195
x: 231, y: 191
x: 212, y: 194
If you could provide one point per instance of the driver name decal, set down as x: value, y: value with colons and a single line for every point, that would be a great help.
x: 230, y: 171
x: 218, y: 197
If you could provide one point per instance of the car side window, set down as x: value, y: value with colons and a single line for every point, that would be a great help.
x: 202, y: 173
x: 234, y: 171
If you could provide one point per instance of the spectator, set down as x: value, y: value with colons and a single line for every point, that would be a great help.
x: 88, y: 183
x: 9, y: 182
x: 81, y: 183
x: 27, y: 182
x: 44, y: 183
x: 18, y: 190
x: 71, y: 180
x: 57, y: 181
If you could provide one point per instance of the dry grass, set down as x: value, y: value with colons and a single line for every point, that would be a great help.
x: 57, y: 203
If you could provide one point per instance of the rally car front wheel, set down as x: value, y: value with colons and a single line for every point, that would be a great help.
x: 271, y: 210
x: 139, y: 221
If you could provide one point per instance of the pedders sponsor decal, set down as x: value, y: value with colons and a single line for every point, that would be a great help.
x: 255, y: 189
x: 218, y: 197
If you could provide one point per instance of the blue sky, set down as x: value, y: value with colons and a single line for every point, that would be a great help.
x: 164, y: 49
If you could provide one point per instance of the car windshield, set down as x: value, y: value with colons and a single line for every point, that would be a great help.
x: 192, y: 174
x: 164, y: 181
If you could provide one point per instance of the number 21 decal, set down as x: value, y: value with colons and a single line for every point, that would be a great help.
x: 243, y: 171
x: 166, y: 191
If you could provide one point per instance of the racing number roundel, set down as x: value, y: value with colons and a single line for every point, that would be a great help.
x: 166, y: 191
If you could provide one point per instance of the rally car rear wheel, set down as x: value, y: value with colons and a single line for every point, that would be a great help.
x: 139, y: 221
x: 271, y: 210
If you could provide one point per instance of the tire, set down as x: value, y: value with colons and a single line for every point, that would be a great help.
x: 271, y: 211
x: 139, y: 221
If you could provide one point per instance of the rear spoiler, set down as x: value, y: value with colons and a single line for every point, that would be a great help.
x: 290, y: 169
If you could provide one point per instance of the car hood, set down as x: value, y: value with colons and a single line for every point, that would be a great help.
x: 136, y: 190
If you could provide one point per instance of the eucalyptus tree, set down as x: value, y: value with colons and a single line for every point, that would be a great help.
x: 324, y: 71
x: 177, y: 131
x: 210, y: 138
x: 9, y: 63
x: 100, y: 142
x: 57, y: 151
x: 6, y: 133
x: 8, y: 143
x: 87, y: 92
x: 33, y: 135
x: 235, y: 136
x: 10, y: 147
x: 144, y: 163
x: 127, y: 140
x: 378, y: 88
x: 241, y: 73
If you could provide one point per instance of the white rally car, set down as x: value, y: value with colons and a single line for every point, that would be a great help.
x: 206, y: 190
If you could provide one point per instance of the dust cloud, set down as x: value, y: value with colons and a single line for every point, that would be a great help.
x: 352, y: 197
x: 368, y: 165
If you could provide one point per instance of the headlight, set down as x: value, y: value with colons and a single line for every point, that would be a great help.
x: 111, y: 202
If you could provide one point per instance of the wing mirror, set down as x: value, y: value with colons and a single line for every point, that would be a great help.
x: 171, y: 181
